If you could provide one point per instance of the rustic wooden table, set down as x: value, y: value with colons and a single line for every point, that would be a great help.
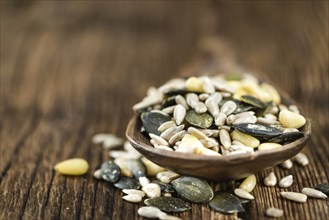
x: 70, y: 70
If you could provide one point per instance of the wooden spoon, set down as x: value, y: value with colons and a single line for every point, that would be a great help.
x: 217, y: 168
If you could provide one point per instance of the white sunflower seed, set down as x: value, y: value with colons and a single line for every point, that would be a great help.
x: 176, y: 137
x: 154, y: 143
x: 169, y: 109
x: 196, y: 133
x: 109, y: 141
x: 274, y: 110
x: 169, y: 217
x: 210, y: 132
x: 294, y: 108
x: 200, y: 107
x: 266, y: 121
x: 167, y: 176
x: 167, y: 134
x: 212, y: 106
x: 236, y: 152
x: 192, y: 99
x: 282, y: 107
x: 144, y: 181
x: 287, y: 130
x: 123, y: 154
x: 241, y: 148
x: 161, y: 147
x: 228, y: 108
x: 230, y: 119
x: 242, y: 120
x: 133, y: 191
x: 243, y: 193
x: 209, y: 142
x: 274, y: 212
x: 297, y: 197
x: 150, y: 212
x: 98, y: 174
x: 235, y: 142
x: 270, y: 180
x: 220, y: 119
x: 314, y: 193
x: 179, y: 114
x: 152, y: 190
x: 249, y: 183
x: 301, y: 159
x: 286, y: 181
x: 133, y: 198
x: 225, y: 138
x: 167, y: 194
x: 159, y: 140
x: 203, y: 96
x: 181, y: 101
x: 286, y: 164
x: 270, y: 116
x: 166, y: 125
x: 207, y: 85
x: 174, y: 84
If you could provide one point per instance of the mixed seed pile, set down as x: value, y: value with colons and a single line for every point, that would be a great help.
x: 218, y: 115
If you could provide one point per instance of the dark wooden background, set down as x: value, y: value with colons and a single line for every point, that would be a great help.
x: 70, y: 70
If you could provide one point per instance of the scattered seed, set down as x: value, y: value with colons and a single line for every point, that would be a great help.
x: 168, y: 204
x: 249, y: 183
x: 286, y: 182
x: 166, y: 176
x: 169, y: 217
x: 152, y: 190
x: 270, y: 180
x: 225, y: 202
x: 134, y: 191
x: 274, y: 212
x: 243, y: 193
x: 286, y: 164
x: 144, y: 181
x: 167, y: 194
x: 297, y: 197
x: 127, y: 183
x: 98, y: 174
x: 314, y: 193
x: 151, y: 168
x: 323, y: 187
x: 150, y: 212
x: 133, y: 198
x: 74, y: 167
x: 301, y: 159
x: 110, y: 172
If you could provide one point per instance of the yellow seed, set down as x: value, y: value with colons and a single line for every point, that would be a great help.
x: 206, y: 151
x: 121, y: 162
x: 275, y: 96
x: 194, y: 84
x: 268, y: 146
x: 75, y: 166
x: 249, y: 183
x: 245, y: 139
x: 291, y: 119
x: 152, y: 168
x: 190, y: 143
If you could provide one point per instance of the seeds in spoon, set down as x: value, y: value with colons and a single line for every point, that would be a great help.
x: 179, y: 114
x: 286, y: 181
x: 249, y: 183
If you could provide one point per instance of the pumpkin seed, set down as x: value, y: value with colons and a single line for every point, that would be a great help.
x: 286, y: 181
x: 286, y: 138
x: 127, y: 183
x: 165, y: 187
x: 251, y: 100
x: 227, y: 203
x: 193, y: 189
x: 314, y: 193
x: 150, y: 212
x: 274, y: 212
x: 323, y: 187
x: 258, y: 130
x: 297, y: 197
x: 110, y: 172
x: 203, y: 120
x: 168, y: 204
x: 152, y: 121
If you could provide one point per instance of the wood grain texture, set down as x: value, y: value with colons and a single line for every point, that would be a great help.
x: 73, y: 69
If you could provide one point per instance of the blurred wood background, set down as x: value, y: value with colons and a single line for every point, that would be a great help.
x: 73, y: 69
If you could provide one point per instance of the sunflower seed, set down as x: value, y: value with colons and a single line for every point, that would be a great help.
x: 167, y: 134
x: 286, y: 164
x: 163, y: 148
x: 220, y: 119
x: 270, y: 180
x: 243, y: 193
x: 203, y: 96
x: 151, y: 168
x: 228, y: 108
x: 123, y: 154
x: 109, y: 141
x: 314, y: 193
x: 244, y: 120
x: 286, y: 182
x: 181, y: 101
x: 192, y: 99
x: 179, y: 114
x: 98, y: 174
x: 297, y: 197
x: 270, y: 116
x: 210, y: 132
x: 241, y: 148
x: 249, y: 183
x: 237, y: 152
x: 290, y: 130
x: 208, y: 86
x: 166, y: 125
x: 169, y: 109
x: 196, y: 133
x: 225, y: 138
x: 159, y: 111
x: 167, y: 194
x: 133, y: 191
x: 121, y: 162
x: 274, y: 110
x: 172, y: 85
x: 225, y: 202
x: 159, y: 140
x: 166, y: 176
x: 133, y: 198
x: 144, y: 181
x: 200, y: 107
x: 274, y: 212
x: 262, y: 120
x: 169, y: 217
x: 150, y: 212
x: 230, y: 119
x: 294, y: 108
x: 212, y: 106
x: 177, y: 137
x: 168, y: 204
x: 152, y: 190
x: 301, y: 159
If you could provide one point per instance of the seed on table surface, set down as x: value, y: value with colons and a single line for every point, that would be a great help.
x: 294, y: 196
x: 220, y: 119
x: 323, y: 187
x: 167, y: 134
x: 269, y: 146
x: 270, y: 180
x: 249, y: 183
x: 158, y: 140
x: 274, y: 212
x: 169, y: 217
x: 164, y: 126
x: 200, y: 108
x: 127, y: 183
x: 98, y: 174
x: 179, y: 114
x: 193, y: 189
x: 151, y: 168
x: 227, y: 203
x: 301, y: 159
x: 169, y: 109
x: 110, y: 172
x: 133, y: 198
x: 245, y: 139
x: 152, y: 121
x: 180, y: 100
x: 143, y: 181
x: 194, y: 84
x: 314, y: 193
x: 291, y: 119
x: 121, y: 162
x: 243, y: 193
x: 167, y: 176
x: 287, y: 164
x: 228, y: 108
x: 165, y: 187
x: 136, y: 167
x: 134, y: 191
x: 74, y: 167
x: 176, y: 137
x: 225, y: 138
x: 152, y: 190
x: 168, y: 204
x: 286, y: 181
x: 167, y: 194
x: 150, y: 212
x: 196, y: 133
x: 131, y: 150
x: 123, y: 154
x: 109, y: 141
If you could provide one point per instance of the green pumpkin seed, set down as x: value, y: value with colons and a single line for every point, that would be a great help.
x: 168, y: 204
x: 165, y: 187
x: 258, y: 130
x: 286, y: 138
x: 152, y: 121
x: 323, y: 187
x: 193, y: 189
x: 227, y: 203
x: 110, y: 172
x: 136, y: 167
x: 170, y: 101
x: 203, y: 120
x: 127, y: 183
x: 251, y: 100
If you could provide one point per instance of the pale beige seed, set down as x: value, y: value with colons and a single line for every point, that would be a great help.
x: 123, y: 154
x: 200, y: 107
x: 203, y: 96
x: 210, y: 132
x: 270, y: 180
x: 282, y: 107
x: 153, y: 142
x: 274, y: 110
x: 181, y: 101
x: 246, y: 119
x: 160, y: 112
x: 215, y: 148
x: 151, y: 168
x: 266, y: 121
x: 159, y: 140
x: 133, y: 198
x: 274, y: 94
x: 98, y: 174
x: 169, y: 217
x: 237, y: 143
x: 152, y: 190
x: 225, y: 127
x: 206, y: 151
x: 243, y: 193
x: 286, y: 182
x: 220, y: 119
x: 274, y: 212
x: 196, y: 133
x: 301, y: 159
x: 189, y: 143
x: 314, y: 193
x: 176, y: 137
x: 270, y: 116
x: 109, y: 141
x: 249, y: 183
x: 74, y: 167
x: 245, y: 139
x: 225, y: 138
x: 286, y: 164
x: 150, y: 212
x: 228, y: 108
x: 236, y: 152
x: 167, y: 134
x: 194, y: 84
x: 161, y: 147
x: 269, y: 146
x: 121, y: 162
x: 291, y: 119
x: 133, y: 191
x: 166, y: 125
x: 241, y: 148
x: 172, y: 85
x: 245, y: 114
x: 207, y: 85
x: 286, y: 130
x: 230, y: 119
x: 179, y: 114
x: 209, y: 142
x: 169, y: 109
x: 167, y: 194
x: 167, y: 176
x: 212, y: 106
x: 192, y: 99
x: 144, y: 181
x: 294, y: 108
x: 294, y: 196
